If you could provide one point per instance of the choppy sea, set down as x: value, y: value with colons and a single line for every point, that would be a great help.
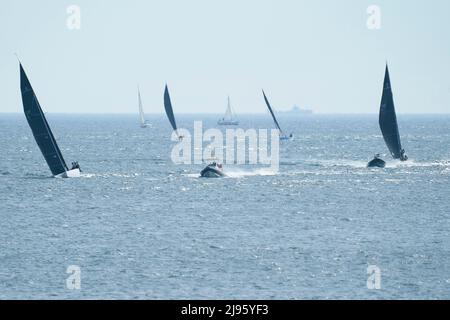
x: 139, y: 226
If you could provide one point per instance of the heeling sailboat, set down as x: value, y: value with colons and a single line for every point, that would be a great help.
x: 388, y: 121
x: 388, y: 125
x: 282, y: 135
x: 169, y: 111
x: 229, y: 119
x: 42, y: 132
x: 144, y: 123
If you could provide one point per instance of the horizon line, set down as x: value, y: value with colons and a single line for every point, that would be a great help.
x: 245, y: 114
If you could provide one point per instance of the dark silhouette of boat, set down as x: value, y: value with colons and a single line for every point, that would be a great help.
x: 42, y: 133
x: 388, y: 124
x: 213, y: 170
x: 282, y: 135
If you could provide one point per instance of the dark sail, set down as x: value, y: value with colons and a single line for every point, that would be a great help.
x: 169, y: 110
x: 388, y: 120
x: 40, y: 128
x: 271, y: 112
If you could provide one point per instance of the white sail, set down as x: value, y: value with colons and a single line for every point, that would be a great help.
x: 229, y: 113
x: 229, y: 118
x: 141, y: 111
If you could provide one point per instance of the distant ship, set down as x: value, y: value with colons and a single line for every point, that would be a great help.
x: 297, y: 111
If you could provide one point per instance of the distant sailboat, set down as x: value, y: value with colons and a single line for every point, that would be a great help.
x: 229, y: 119
x: 144, y: 123
x: 388, y: 125
x: 169, y: 111
x: 282, y: 135
x: 42, y: 132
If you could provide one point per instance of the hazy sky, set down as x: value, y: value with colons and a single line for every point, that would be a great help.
x: 316, y: 54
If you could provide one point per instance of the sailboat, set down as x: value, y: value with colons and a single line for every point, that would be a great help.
x: 229, y: 119
x: 144, y: 123
x: 388, y: 125
x: 169, y: 111
x: 282, y: 135
x: 42, y: 132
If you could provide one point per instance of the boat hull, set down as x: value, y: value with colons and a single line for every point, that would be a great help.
x: 210, y: 172
x: 286, y: 138
x: 228, y: 123
x: 376, y: 163
x: 75, y: 173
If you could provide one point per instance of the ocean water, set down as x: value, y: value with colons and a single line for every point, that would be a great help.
x: 141, y: 227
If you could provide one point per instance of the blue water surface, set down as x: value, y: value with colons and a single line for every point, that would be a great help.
x: 141, y: 227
